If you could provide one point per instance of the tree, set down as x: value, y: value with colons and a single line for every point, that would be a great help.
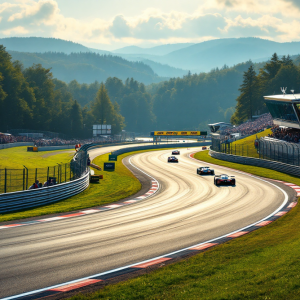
x: 104, y: 111
x: 76, y: 120
x: 248, y: 97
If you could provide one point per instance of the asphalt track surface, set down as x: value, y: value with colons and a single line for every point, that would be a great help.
x: 188, y: 209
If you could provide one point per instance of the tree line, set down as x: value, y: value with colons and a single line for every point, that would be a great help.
x: 31, y: 98
x: 273, y: 75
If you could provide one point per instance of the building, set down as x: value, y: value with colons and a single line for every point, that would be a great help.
x: 285, y: 109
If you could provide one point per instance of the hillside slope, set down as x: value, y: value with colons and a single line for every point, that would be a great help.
x: 88, y: 67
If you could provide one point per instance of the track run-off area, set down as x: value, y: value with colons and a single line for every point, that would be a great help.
x: 188, y: 209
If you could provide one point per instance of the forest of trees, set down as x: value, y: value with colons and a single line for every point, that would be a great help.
x: 274, y: 74
x: 30, y: 98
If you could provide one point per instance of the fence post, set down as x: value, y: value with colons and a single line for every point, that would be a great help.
x: 47, y: 174
x: 242, y: 150
x: 65, y: 172
x: 235, y: 149
x: 23, y: 179
x: 58, y: 174
x: 5, y: 179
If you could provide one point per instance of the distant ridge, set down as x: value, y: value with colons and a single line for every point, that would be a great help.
x: 157, y: 50
x: 41, y: 45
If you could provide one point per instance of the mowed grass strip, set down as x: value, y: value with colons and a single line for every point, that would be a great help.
x: 261, y: 265
x: 115, y: 186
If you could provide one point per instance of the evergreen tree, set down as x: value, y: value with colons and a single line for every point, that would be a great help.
x: 76, y: 120
x: 247, y: 100
x: 104, y: 111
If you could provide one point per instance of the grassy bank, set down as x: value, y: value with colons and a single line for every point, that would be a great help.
x: 261, y: 265
x: 245, y: 147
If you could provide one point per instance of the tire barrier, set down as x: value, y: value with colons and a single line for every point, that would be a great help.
x: 16, y: 201
x: 258, y: 162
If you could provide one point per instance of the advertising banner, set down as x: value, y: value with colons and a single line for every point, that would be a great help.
x: 179, y: 133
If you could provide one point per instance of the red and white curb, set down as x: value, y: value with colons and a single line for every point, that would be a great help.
x: 154, y: 188
x: 75, y: 284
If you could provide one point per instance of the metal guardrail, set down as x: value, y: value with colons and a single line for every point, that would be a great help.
x: 258, y: 162
x: 16, y: 201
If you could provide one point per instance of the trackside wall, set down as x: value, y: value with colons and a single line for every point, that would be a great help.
x: 258, y: 162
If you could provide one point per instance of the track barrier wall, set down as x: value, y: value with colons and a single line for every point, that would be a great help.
x: 12, y: 145
x: 69, y: 180
x: 258, y: 162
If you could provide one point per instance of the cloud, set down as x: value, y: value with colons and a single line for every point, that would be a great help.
x: 213, y: 19
x: 168, y: 26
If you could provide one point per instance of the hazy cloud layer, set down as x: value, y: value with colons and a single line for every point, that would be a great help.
x: 277, y: 20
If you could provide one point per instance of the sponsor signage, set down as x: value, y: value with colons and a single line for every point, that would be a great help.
x: 113, y: 157
x: 101, y: 130
x: 179, y: 133
x: 109, y: 166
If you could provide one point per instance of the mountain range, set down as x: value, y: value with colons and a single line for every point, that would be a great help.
x: 164, y: 61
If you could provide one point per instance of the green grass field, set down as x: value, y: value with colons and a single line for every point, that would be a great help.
x: 261, y: 265
x: 15, y: 177
x: 16, y: 158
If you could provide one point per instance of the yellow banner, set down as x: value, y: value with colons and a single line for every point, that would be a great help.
x: 172, y: 133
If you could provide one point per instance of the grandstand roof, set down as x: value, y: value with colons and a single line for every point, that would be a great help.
x: 285, y: 98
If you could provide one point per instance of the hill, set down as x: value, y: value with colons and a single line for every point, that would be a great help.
x: 88, y: 67
x: 41, y: 45
x: 157, y: 50
x: 204, y: 56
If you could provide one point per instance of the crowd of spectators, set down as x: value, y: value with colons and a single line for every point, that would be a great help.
x: 251, y: 127
x: 7, y: 138
x: 286, y: 134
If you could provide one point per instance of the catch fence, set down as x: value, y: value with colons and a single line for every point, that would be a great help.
x: 267, y: 148
x: 12, y: 180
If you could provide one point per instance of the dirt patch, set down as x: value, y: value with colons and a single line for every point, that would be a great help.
x: 55, y: 153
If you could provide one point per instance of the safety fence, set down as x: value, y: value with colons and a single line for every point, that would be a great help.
x: 12, y: 180
x: 266, y: 148
x: 273, y: 165
x: 278, y: 150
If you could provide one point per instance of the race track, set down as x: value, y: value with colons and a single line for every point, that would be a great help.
x: 188, y: 209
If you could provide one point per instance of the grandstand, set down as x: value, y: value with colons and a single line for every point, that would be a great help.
x: 285, y: 109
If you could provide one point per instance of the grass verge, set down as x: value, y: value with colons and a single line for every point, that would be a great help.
x: 115, y: 186
x: 245, y: 147
x: 261, y: 265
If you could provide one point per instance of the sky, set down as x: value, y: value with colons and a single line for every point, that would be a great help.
x: 113, y: 24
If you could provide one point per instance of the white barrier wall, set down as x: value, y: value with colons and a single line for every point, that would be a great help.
x: 51, y: 148
x: 12, y: 145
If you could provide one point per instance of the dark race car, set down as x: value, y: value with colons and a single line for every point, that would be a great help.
x: 175, y: 152
x: 224, y: 179
x: 205, y: 171
x: 204, y: 148
x: 172, y: 159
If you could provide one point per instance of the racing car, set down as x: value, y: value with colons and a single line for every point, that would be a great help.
x: 175, y: 152
x: 205, y: 171
x: 172, y: 159
x: 224, y: 179
x: 204, y: 148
